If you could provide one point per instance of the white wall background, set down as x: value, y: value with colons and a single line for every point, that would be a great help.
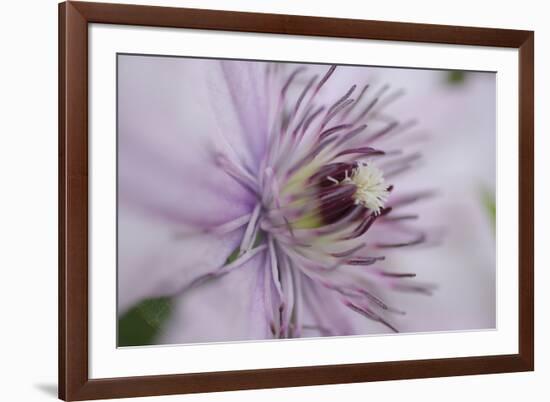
x: 28, y: 201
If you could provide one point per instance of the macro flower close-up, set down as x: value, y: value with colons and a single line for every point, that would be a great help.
x: 263, y: 200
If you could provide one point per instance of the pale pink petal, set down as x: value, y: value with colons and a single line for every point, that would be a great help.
x: 170, y: 139
x: 324, y: 314
x: 245, y: 86
x: 229, y: 308
x: 156, y: 259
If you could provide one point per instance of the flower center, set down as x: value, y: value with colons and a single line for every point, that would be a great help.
x: 371, y: 191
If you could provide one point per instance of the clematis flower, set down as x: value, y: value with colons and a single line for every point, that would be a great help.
x: 265, y: 198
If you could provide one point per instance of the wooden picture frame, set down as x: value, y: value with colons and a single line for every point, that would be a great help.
x: 74, y: 381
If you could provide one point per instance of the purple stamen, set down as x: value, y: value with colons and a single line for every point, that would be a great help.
x: 229, y: 226
x: 382, y: 132
x: 414, y: 288
x: 225, y: 269
x: 378, y: 302
x: 364, y: 261
x: 268, y: 300
x: 237, y: 173
x: 421, y: 238
x: 288, y: 295
x: 274, y: 267
x: 397, y: 275
x: 372, y: 103
x: 333, y: 130
x: 296, y: 316
x: 303, y: 94
x: 369, y: 314
x: 310, y: 119
x: 311, y: 155
x: 342, y: 99
x: 334, y: 170
x: 331, y: 114
x: 363, y: 151
x: 303, y: 119
x: 325, y: 78
x: 395, y: 218
x: 406, y: 200
x: 349, y: 252
x: 250, y: 233
x: 357, y: 101
x: 350, y: 135
x: 389, y: 99
x: 362, y: 228
x: 291, y: 78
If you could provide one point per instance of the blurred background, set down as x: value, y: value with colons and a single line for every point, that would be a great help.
x: 458, y: 113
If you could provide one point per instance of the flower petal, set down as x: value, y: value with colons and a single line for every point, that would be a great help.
x: 169, y: 139
x: 246, y: 86
x: 156, y: 260
x: 230, y: 308
x: 324, y: 314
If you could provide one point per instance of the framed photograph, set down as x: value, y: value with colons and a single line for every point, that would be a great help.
x: 259, y: 200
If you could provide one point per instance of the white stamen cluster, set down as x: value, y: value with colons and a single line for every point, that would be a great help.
x: 371, y: 191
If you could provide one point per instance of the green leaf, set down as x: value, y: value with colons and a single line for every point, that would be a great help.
x: 456, y: 77
x: 233, y: 256
x: 141, y: 324
x: 489, y: 203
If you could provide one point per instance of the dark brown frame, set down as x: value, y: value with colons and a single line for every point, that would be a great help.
x: 74, y: 382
